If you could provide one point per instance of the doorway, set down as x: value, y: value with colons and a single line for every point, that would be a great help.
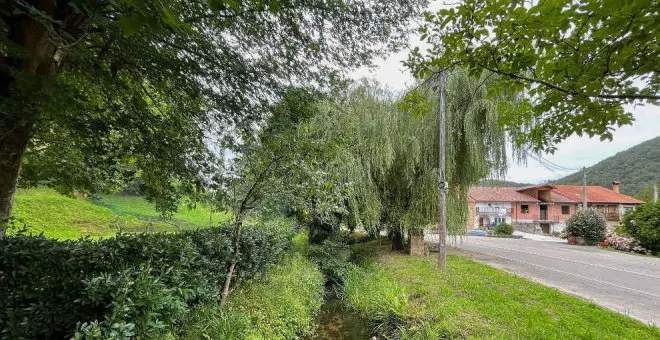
x: 544, y: 212
x: 545, y: 228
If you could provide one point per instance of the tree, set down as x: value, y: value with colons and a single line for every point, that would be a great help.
x: 643, y: 224
x: 275, y: 168
x: 94, y: 92
x: 388, y: 154
x: 577, y: 62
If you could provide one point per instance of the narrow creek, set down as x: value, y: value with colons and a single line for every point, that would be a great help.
x: 336, y: 321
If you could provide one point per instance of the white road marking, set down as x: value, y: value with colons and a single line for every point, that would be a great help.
x: 569, y: 260
x: 576, y: 275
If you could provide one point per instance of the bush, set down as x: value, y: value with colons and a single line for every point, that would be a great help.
x: 333, y: 259
x: 282, y: 305
x: 131, y: 286
x: 643, y: 224
x: 623, y: 243
x: 588, y: 224
x: 503, y: 229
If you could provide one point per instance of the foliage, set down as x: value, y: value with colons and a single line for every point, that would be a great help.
x: 623, y: 243
x: 144, y: 284
x: 636, y: 169
x: 373, y: 294
x: 588, y: 224
x: 474, y: 300
x: 116, y: 90
x: 387, y: 158
x: 577, y: 62
x: 503, y: 229
x: 281, y: 305
x: 643, y: 224
x: 333, y: 258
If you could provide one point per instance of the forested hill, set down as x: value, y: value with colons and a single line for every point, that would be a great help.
x: 636, y: 168
x: 500, y: 183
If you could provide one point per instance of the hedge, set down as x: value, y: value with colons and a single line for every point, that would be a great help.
x: 123, y: 287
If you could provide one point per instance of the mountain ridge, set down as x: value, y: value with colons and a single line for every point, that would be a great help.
x: 637, y: 168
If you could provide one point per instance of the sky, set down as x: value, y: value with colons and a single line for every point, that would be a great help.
x: 575, y: 152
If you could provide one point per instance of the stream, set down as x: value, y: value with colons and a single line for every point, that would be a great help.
x: 336, y: 321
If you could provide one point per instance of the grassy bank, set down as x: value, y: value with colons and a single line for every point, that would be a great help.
x: 280, y: 305
x: 472, y: 300
x: 57, y: 216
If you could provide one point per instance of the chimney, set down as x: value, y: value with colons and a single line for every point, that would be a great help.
x: 615, y: 186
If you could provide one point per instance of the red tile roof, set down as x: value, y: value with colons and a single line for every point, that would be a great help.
x: 559, y: 194
x: 498, y: 194
x: 595, y: 194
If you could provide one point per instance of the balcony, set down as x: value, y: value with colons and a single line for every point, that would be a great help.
x: 547, y: 218
x: 492, y: 210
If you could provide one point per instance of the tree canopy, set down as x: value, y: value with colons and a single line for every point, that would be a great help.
x: 387, y: 152
x: 97, y: 92
x: 576, y: 62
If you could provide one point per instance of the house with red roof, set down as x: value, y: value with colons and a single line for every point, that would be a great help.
x: 543, y: 209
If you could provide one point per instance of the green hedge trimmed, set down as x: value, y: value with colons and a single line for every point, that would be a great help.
x: 123, y: 287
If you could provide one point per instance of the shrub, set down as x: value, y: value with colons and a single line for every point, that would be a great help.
x: 281, y: 305
x: 588, y: 224
x: 643, y: 224
x: 128, y: 285
x: 503, y: 229
x: 333, y: 259
x: 624, y: 243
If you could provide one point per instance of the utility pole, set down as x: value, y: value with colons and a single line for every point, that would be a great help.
x: 584, y: 187
x: 442, y: 184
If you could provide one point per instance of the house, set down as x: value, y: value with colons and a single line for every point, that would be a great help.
x: 543, y: 208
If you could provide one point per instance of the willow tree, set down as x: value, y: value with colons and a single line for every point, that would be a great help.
x: 390, y: 157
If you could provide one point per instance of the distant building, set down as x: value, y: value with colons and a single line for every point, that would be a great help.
x: 543, y: 209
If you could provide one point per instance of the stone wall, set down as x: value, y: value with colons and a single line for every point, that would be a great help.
x: 527, y: 227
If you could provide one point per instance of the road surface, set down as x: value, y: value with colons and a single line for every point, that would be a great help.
x: 626, y: 283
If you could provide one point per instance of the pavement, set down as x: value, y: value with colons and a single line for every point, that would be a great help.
x: 626, y: 283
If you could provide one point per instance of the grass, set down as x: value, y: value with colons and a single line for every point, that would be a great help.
x: 45, y: 211
x: 184, y: 218
x: 472, y: 300
x: 280, y: 305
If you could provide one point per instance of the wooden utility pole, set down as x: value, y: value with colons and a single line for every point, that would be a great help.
x: 584, y: 187
x: 442, y: 184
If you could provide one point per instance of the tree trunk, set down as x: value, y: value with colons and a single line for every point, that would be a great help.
x: 397, y: 240
x: 18, y: 103
x: 12, y: 148
x: 234, y: 260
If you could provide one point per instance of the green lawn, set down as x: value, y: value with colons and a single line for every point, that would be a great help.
x: 57, y: 216
x: 473, y: 300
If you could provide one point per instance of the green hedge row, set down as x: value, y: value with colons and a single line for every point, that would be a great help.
x: 123, y: 287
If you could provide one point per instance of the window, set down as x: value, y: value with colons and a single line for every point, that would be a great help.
x: 565, y: 210
x: 524, y: 208
x: 499, y: 220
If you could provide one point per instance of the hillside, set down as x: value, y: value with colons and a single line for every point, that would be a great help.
x: 56, y: 216
x: 636, y: 168
x: 500, y: 183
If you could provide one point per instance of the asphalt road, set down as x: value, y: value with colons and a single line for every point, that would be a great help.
x: 628, y: 284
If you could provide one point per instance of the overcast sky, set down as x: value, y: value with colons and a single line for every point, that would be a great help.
x: 572, y: 153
